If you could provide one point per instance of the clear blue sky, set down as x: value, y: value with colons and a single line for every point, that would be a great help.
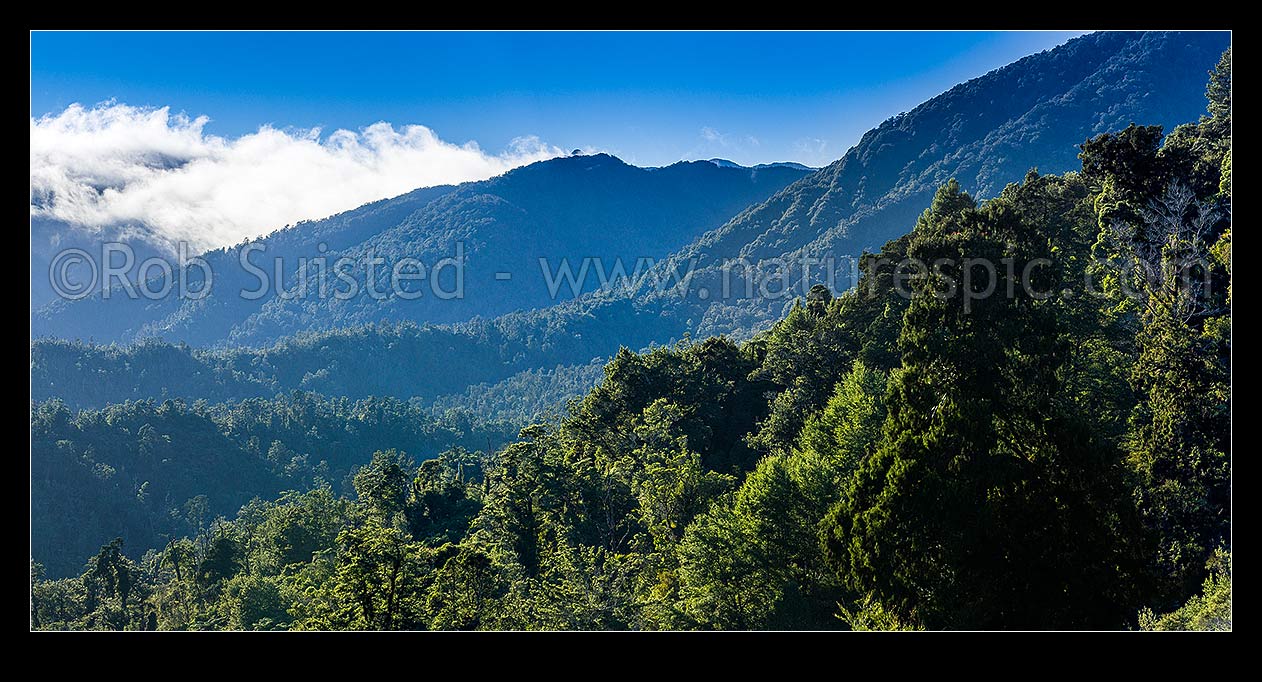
x: 650, y: 98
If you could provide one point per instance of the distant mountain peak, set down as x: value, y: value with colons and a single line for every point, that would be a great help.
x: 590, y: 205
x: 725, y: 163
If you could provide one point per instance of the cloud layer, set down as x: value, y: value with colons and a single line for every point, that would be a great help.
x: 115, y: 165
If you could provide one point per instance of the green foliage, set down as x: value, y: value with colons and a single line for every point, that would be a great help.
x: 1218, y: 92
x: 527, y: 396
x: 442, y: 503
x: 467, y: 592
x: 1209, y: 610
x: 1176, y: 241
x: 755, y: 560
x: 376, y: 577
x: 382, y: 484
x: 111, y: 594
x: 851, y: 421
x: 989, y: 502
x: 807, y: 353
x: 252, y: 602
x: 722, y: 580
x: 948, y: 459
x: 129, y: 469
x: 711, y: 402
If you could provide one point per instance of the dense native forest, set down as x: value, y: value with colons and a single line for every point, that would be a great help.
x: 906, y: 454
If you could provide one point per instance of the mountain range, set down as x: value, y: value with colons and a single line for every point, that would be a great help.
x: 689, y: 217
x: 568, y: 209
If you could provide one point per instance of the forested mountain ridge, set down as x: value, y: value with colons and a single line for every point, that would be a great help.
x: 209, y: 318
x: 1043, y: 456
x: 402, y: 360
x: 569, y: 210
x: 583, y: 206
x: 725, y: 163
x: 984, y: 133
x: 50, y: 237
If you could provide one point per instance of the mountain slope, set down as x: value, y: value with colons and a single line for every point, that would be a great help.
x: 121, y: 318
x: 986, y: 133
x: 565, y: 210
x: 571, y: 208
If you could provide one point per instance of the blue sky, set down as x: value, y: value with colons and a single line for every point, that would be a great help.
x: 650, y: 98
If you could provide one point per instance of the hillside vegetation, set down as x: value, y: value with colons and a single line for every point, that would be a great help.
x: 907, y: 454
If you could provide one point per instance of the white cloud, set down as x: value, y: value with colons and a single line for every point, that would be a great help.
x: 714, y: 141
x: 118, y: 165
x: 814, y: 150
